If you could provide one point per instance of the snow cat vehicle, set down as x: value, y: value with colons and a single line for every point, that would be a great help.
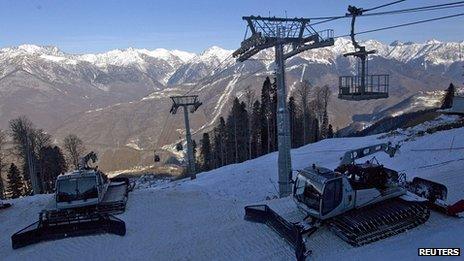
x: 438, y: 196
x: 85, y: 202
x: 360, y: 203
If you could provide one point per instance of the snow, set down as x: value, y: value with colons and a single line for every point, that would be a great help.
x: 431, y: 51
x: 422, y: 101
x: 133, y: 145
x: 184, y: 56
x: 203, y: 219
x: 222, y: 101
x: 215, y: 52
x: 132, y: 56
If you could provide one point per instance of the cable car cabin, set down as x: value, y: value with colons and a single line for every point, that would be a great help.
x: 374, y: 87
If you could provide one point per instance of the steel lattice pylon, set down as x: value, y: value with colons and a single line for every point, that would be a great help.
x: 277, y: 32
x: 192, y: 102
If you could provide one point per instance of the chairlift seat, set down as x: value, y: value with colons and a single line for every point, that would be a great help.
x: 376, y: 87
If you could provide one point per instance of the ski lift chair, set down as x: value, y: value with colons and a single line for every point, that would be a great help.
x: 362, y: 86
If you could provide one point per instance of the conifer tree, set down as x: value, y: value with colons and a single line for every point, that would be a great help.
x: 316, y: 135
x: 52, y: 163
x: 3, y: 164
x: 15, y: 184
x: 237, y: 133
x: 205, y: 153
x: 447, y: 101
x: 256, y: 130
x: 325, y: 125
x: 330, y: 132
x: 292, y: 120
x: 266, y: 116
x: 219, y: 146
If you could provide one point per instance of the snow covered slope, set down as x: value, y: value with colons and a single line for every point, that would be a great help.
x: 203, y: 219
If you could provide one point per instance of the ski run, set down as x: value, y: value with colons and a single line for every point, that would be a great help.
x: 203, y: 219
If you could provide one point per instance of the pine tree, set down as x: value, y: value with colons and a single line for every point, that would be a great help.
x: 249, y: 101
x: 219, y: 144
x: 243, y: 133
x: 237, y: 133
x: 2, y: 162
x: 273, y: 135
x: 447, y: 101
x: 298, y: 136
x: 266, y: 115
x: 330, y: 132
x: 255, y: 130
x: 15, y: 184
x: 205, y: 153
x: 325, y: 125
x: 194, y: 151
x: 231, y: 134
x: 52, y: 163
x: 292, y: 120
x: 303, y: 92
x: 316, y: 135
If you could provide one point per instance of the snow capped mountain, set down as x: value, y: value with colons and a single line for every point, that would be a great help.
x: 126, y: 57
x: 124, y: 93
x: 202, y: 65
x: 173, y: 67
x: 132, y: 56
x: 215, y: 53
x: 431, y: 51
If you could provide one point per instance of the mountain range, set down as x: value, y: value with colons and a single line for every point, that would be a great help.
x: 118, y: 101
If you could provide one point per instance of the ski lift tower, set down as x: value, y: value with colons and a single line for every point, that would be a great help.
x: 297, y: 35
x: 190, y: 104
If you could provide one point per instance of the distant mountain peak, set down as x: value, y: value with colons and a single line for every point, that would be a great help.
x: 36, y: 49
x: 396, y: 43
x: 215, y: 52
x: 432, y: 41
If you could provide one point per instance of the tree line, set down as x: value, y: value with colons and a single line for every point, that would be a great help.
x: 250, y: 129
x: 33, y: 153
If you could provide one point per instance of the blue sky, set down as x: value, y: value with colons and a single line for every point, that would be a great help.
x: 193, y: 25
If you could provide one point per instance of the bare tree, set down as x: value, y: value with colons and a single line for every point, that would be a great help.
x: 28, y: 142
x: 74, y: 149
x: 303, y: 93
x: 40, y: 139
x: 321, y: 99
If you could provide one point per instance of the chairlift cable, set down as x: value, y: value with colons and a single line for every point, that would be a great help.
x: 399, y: 11
x: 384, y: 5
x: 405, y: 24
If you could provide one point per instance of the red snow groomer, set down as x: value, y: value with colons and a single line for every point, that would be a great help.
x: 85, y: 203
